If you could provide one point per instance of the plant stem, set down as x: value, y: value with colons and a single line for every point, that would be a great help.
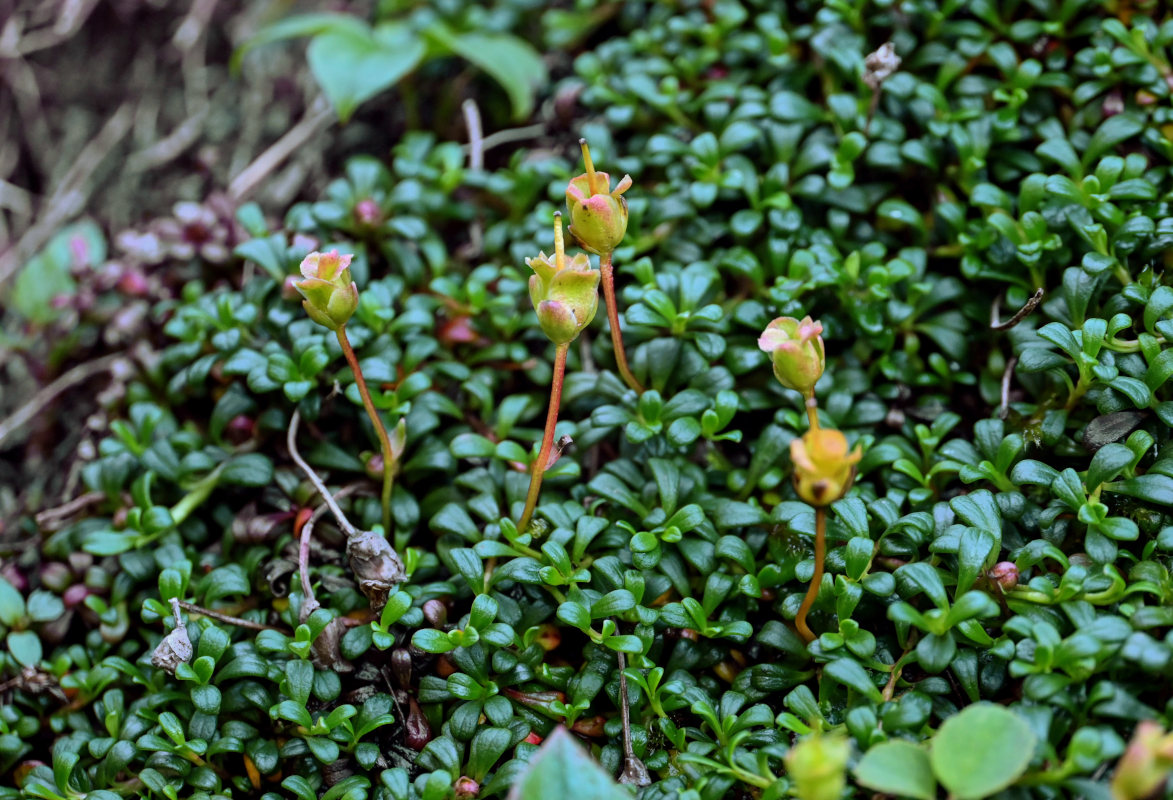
x: 812, y: 410
x: 227, y: 619
x: 608, y: 281
x: 380, y: 430
x: 817, y: 579
x: 195, y: 496
x: 634, y: 773
x: 535, y: 481
x: 331, y: 503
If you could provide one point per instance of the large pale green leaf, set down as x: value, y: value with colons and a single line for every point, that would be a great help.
x: 47, y: 274
x: 561, y: 768
x: 353, y: 65
x: 11, y: 604
x: 511, y: 62
x: 25, y: 647
x: 981, y: 751
x: 897, y: 767
x: 296, y: 27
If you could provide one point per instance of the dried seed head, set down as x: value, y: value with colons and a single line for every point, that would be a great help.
x: 376, y: 565
x: 176, y: 646
x: 879, y: 65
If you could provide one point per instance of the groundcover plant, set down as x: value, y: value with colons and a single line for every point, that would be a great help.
x: 803, y: 432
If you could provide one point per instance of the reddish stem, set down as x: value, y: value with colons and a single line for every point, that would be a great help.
x: 535, y: 481
x: 812, y: 410
x: 817, y: 579
x: 608, y: 281
x: 380, y: 431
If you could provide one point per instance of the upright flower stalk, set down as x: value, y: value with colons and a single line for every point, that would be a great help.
x: 389, y: 456
x: 598, y: 221
x: 824, y: 465
x: 565, y: 295
x: 331, y: 298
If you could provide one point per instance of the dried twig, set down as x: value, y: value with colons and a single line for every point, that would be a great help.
x: 291, y: 443
x: 635, y: 773
x: 476, y: 139
x: 194, y: 25
x: 1019, y: 316
x: 303, y: 550
x: 171, y: 146
x: 71, y: 193
x: 318, y: 117
x: 79, y: 374
x: 1004, y: 408
x: 69, y: 21
x: 510, y: 135
x: 51, y: 518
x: 226, y: 619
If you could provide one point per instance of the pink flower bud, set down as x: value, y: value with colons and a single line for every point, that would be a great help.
x: 331, y: 296
x: 367, y: 213
x: 796, y: 348
x: 1005, y: 574
x: 75, y: 595
x: 466, y: 788
x: 1145, y: 765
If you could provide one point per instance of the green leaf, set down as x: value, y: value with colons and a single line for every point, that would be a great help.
x: 44, y: 606
x: 981, y: 751
x: 1152, y: 488
x: 616, y: 602
x: 25, y: 647
x: 300, y: 787
x: 509, y: 60
x: 561, y: 768
x: 252, y: 469
x: 11, y: 604
x: 325, y: 750
x: 48, y: 274
x: 431, y: 640
x: 224, y: 581
x: 575, y: 615
x: 1113, y: 131
x: 488, y: 745
x: 897, y: 767
x: 353, y: 65
x: 296, y: 27
x: 299, y: 681
x: 206, y: 699
x: 471, y: 445
x: 848, y: 672
x: 1107, y: 463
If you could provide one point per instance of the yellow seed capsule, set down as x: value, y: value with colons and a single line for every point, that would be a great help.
x: 1145, y: 765
x: 817, y: 766
x: 565, y: 292
x: 823, y: 468
x: 598, y: 213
